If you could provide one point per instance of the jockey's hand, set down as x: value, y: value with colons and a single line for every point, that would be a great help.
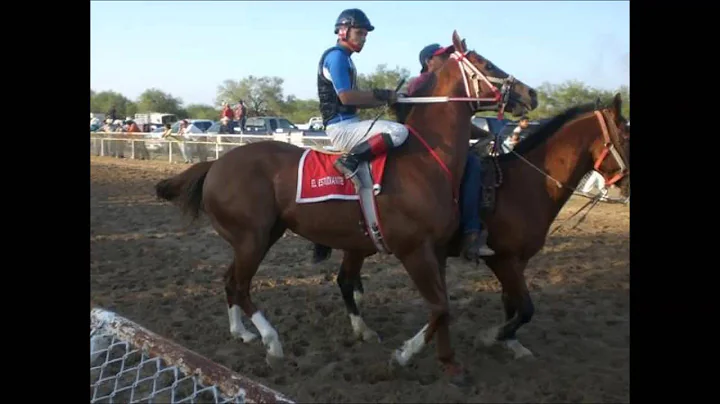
x: 381, y: 94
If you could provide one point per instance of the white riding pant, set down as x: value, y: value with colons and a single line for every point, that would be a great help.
x: 345, y: 135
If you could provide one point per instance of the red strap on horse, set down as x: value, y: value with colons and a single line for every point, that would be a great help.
x: 438, y: 159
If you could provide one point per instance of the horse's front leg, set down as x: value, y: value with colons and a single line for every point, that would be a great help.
x: 426, y: 267
x: 517, y: 304
x: 348, y: 279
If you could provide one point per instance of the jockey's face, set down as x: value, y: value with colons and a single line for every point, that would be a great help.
x: 356, y: 38
x: 436, y: 62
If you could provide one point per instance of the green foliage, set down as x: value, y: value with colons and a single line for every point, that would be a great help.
x: 264, y: 96
x: 202, y: 111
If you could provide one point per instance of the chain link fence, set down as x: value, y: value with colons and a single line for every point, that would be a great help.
x: 130, y: 364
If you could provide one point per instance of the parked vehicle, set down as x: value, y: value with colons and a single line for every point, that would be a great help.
x: 202, y: 124
x: 490, y: 124
x: 314, y: 124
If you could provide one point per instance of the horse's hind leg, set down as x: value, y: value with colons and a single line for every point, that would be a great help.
x: 251, y: 245
x: 517, y: 304
x: 232, y: 292
x: 347, y: 279
x: 237, y: 328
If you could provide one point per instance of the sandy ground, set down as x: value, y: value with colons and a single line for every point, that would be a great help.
x: 147, y: 265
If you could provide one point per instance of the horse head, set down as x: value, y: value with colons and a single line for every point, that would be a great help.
x: 611, y: 152
x: 484, y: 80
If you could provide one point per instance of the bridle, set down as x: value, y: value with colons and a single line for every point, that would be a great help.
x: 472, y: 78
x: 609, y: 149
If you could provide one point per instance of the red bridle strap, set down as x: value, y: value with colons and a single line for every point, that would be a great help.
x: 437, y: 158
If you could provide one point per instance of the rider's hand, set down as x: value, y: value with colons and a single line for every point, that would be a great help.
x: 387, y: 96
x: 392, y: 97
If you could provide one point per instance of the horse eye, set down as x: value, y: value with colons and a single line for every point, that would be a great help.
x: 489, y: 66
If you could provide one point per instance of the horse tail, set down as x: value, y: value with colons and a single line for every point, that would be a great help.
x: 185, y: 189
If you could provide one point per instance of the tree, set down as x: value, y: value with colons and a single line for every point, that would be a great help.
x: 262, y: 95
x: 154, y: 100
x: 102, y: 101
x: 202, y: 111
x: 300, y: 111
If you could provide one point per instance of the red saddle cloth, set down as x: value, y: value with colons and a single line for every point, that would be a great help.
x: 319, y: 180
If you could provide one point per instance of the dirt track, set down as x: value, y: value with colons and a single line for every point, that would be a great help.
x: 148, y: 267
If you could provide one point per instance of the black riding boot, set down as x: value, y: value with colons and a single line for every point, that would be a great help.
x: 348, y: 163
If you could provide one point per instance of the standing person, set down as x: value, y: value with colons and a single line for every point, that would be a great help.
x: 241, y: 114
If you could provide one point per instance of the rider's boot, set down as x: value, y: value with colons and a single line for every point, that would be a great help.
x: 320, y: 253
x: 375, y: 146
x: 474, y: 243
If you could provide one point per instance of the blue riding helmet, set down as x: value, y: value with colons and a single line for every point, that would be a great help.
x: 353, y: 18
x: 428, y: 52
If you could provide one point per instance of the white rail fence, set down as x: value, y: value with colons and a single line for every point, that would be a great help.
x: 205, y: 147
x: 130, y: 364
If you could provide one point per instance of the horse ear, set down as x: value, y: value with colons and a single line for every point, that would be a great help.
x: 617, y: 104
x: 459, y: 45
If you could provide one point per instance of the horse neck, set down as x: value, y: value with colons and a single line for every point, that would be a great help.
x: 566, y: 157
x: 445, y: 126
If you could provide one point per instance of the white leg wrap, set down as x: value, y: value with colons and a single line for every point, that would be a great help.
x: 411, y: 347
x: 358, y: 296
x: 237, y: 329
x: 269, y: 336
x: 361, y: 329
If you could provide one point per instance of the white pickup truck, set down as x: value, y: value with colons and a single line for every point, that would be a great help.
x: 314, y: 124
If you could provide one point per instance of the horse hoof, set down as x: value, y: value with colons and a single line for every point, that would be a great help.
x: 487, y: 339
x: 456, y: 375
x: 274, y: 362
x: 371, y: 336
x: 245, y: 336
x: 518, y: 350
x: 398, y: 358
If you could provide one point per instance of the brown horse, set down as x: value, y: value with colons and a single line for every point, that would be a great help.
x: 249, y: 195
x: 538, y: 177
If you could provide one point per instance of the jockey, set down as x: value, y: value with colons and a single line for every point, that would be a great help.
x: 474, y: 236
x: 340, y: 99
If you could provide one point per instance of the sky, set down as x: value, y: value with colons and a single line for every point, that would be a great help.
x: 188, y: 48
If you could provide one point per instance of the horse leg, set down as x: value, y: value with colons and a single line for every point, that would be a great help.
x: 232, y: 292
x: 237, y: 329
x: 358, y: 289
x: 251, y: 245
x: 517, y: 304
x: 424, y: 269
x: 347, y: 279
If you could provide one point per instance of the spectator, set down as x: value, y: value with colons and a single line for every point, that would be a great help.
x: 241, y: 114
x: 117, y: 146
x: 112, y: 113
x: 516, y: 135
x: 139, y: 146
x: 180, y: 139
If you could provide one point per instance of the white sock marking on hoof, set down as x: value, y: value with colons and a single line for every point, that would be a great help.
x: 361, y: 330
x: 518, y: 349
x: 490, y: 337
x: 410, y: 347
x: 358, y: 296
x: 237, y: 328
x: 269, y: 336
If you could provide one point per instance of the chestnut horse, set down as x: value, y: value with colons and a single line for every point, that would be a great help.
x: 249, y: 196
x: 538, y: 177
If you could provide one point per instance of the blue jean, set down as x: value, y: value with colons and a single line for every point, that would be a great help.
x: 470, y: 189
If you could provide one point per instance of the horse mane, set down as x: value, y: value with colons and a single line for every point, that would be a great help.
x: 547, y: 130
x: 401, y: 111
